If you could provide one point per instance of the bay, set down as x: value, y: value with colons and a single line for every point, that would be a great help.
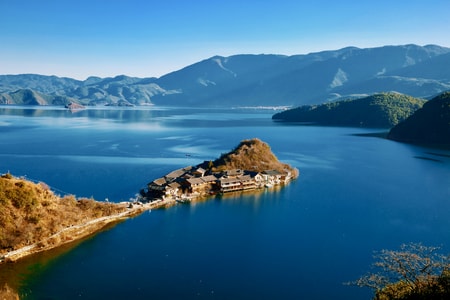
x: 355, y: 194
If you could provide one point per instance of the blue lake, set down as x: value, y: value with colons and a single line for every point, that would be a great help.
x: 355, y: 195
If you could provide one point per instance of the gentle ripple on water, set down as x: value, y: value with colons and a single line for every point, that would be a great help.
x: 355, y: 194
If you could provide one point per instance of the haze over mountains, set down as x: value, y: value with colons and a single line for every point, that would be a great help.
x: 252, y: 80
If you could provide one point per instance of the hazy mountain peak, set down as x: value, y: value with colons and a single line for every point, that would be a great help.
x: 260, y: 79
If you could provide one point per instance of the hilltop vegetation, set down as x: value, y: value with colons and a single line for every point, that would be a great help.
x: 428, y: 125
x: 252, y: 155
x: 6, y: 293
x: 30, y: 213
x: 379, y: 110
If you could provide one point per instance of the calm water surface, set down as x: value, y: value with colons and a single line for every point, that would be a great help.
x: 355, y: 195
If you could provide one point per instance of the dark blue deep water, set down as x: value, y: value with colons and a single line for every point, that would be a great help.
x: 356, y: 194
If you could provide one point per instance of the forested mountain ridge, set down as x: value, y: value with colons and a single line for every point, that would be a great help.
x: 256, y: 80
x: 380, y: 110
x: 428, y: 125
x: 303, y: 79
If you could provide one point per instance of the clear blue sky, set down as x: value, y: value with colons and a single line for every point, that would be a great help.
x: 146, y: 38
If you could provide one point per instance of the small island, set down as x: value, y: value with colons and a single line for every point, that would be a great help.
x: 250, y: 166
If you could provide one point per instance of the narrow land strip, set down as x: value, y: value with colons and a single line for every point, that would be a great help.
x: 73, y: 233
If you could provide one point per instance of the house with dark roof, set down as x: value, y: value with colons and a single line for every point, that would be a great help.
x: 195, y: 184
x: 157, y: 185
x: 177, y: 173
x: 192, y: 182
x: 233, y: 173
x: 199, y: 172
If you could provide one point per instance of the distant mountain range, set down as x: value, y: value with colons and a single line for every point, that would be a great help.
x: 252, y: 80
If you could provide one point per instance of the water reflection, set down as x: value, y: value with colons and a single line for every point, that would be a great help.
x: 122, y: 115
x: 355, y: 194
x: 19, y: 274
x: 141, y: 118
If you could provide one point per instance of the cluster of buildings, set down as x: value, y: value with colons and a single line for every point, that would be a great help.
x: 193, y: 182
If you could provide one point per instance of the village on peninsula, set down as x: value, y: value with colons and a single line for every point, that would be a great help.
x: 52, y: 220
x: 250, y: 166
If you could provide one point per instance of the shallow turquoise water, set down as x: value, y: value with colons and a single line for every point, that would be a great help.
x: 355, y: 195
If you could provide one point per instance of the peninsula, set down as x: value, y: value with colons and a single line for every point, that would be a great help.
x: 250, y: 166
x: 34, y: 219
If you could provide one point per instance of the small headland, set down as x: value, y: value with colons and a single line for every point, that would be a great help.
x: 249, y: 166
x: 428, y: 126
x: 34, y: 219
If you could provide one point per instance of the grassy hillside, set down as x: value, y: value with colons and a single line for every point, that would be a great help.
x: 251, y: 155
x: 6, y: 293
x: 31, y: 213
x: 379, y: 110
x: 428, y: 125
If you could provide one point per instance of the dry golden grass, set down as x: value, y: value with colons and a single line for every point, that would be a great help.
x: 251, y: 155
x: 31, y: 212
x: 6, y: 293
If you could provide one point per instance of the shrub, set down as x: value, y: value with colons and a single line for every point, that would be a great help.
x: 30, y: 213
x: 413, y: 272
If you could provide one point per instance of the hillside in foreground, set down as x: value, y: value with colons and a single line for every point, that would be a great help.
x: 31, y: 214
x: 428, y: 125
x: 380, y: 110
